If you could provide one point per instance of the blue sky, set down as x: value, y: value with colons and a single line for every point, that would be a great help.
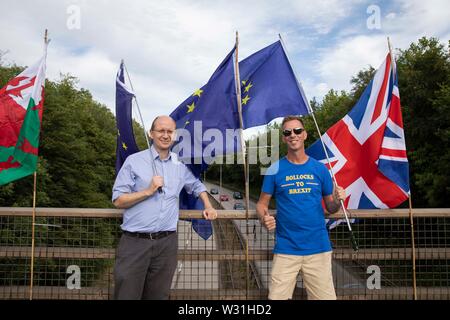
x: 172, y: 47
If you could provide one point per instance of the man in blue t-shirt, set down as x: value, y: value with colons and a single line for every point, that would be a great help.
x: 299, y: 184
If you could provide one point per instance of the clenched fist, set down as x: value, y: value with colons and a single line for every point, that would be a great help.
x: 157, y: 182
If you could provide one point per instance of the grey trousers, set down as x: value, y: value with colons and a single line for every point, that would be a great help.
x: 144, y: 268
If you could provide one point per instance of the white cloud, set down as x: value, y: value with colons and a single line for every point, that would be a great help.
x: 314, y: 89
x: 172, y: 47
x: 337, y: 66
x: 419, y: 18
x: 356, y: 50
x: 391, y: 15
x: 322, y: 15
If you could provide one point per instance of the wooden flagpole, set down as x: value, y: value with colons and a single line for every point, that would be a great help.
x: 243, y: 148
x: 411, y: 215
x: 33, y: 219
x: 413, y: 247
x: 241, y: 123
x: 33, y: 223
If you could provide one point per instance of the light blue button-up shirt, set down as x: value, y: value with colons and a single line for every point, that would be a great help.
x: 160, y: 211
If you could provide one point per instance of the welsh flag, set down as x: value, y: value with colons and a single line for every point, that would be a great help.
x: 21, y: 108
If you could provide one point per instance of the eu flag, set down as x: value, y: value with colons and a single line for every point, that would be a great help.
x: 269, y: 87
x: 126, y: 145
x: 212, y: 109
x: 213, y: 106
x: 189, y: 202
x: 269, y: 90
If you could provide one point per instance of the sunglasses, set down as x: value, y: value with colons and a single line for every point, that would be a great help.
x: 288, y: 132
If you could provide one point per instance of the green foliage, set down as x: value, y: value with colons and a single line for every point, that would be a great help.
x: 424, y: 82
x: 76, y: 168
x: 333, y: 107
x: 360, y: 82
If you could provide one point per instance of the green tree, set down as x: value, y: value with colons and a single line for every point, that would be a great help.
x: 77, y: 149
x: 333, y: 107
x: 424, y: 81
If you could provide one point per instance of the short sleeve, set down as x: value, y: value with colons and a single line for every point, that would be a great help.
x: 125, y: 181
x: 269, y: 184
x: 192, y: 185
x: 327, y: 182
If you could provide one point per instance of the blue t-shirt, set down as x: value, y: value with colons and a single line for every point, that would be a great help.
x: 298, y: 190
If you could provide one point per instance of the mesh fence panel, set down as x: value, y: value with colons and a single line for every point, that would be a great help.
x: 74, y: 257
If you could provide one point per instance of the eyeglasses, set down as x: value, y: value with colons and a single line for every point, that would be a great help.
x: 162, y: 131
x: 287, y: 132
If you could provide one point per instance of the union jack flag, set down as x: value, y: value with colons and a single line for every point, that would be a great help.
x: 367, y: 147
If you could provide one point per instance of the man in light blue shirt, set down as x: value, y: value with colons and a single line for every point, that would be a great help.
x: 146, y: 257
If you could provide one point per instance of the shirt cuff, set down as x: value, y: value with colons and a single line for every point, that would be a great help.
x: 116, y: 194
x: 199, y: 189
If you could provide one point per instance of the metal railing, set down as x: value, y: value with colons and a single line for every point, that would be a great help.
x: 75, y: 249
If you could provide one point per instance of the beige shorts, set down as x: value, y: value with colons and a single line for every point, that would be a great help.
x: 315, y: 270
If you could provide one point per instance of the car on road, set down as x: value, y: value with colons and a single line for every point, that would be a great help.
x: 214, y: 191
x: 224, y: 197
x: 238, y: 206
x: 237, y: 195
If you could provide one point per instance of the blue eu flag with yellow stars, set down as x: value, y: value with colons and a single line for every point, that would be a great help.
x: 126, y: 145
x: 269, y: 90
x: 214, y: 106
x: 269, y: 87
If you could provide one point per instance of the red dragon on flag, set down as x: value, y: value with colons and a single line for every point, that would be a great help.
x: 21, y: 108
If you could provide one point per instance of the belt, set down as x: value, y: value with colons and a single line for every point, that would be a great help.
x: 151, y: 236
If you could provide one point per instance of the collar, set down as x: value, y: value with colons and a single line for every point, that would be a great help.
x: 155, y: 154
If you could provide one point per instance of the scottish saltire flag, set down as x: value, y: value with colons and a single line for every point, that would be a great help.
x: 367, y: 147
x: 126, y: 144
x: 21, y: 109
x: 269, y: 87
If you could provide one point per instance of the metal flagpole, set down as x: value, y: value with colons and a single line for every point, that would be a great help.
x: 243, y: 148
x: 411, y: 215
x: 311, y: 111
x: 143, y: 125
